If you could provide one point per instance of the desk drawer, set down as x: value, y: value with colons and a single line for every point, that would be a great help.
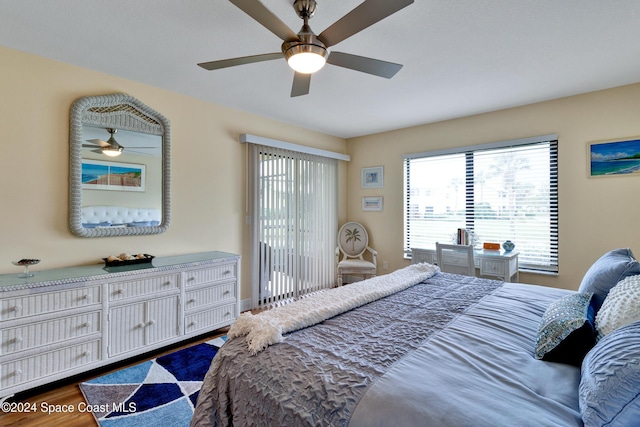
x: 47, y: 302
x: 490, y: 267
x: 48, y: 363
x: 211, y: 274
x: 145, y: 286
x: 49, y: 331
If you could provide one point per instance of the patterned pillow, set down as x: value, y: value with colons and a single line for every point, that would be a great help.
x: 621, y: 307
x: 607, y: 271
x: 610, y: 380
x: 566, y: 331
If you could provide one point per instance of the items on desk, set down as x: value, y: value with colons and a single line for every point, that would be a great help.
x: 491, y: 246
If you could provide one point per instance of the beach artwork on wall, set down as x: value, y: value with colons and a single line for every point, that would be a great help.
x: 614, y: 158
x: 99, y: 175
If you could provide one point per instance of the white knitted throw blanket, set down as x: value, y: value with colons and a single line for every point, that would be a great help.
x: 267, y: 327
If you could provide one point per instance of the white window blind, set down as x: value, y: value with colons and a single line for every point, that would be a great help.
x: 294, y: 213
x: 502, y: 191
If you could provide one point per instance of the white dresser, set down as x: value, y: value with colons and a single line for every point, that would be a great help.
x: 66, y: 321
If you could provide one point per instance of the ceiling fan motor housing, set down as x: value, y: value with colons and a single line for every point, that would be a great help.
x: 307, y: 41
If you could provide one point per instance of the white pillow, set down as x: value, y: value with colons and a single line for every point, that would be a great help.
x: 620, y: 307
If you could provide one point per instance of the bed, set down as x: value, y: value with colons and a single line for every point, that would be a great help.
x: 119, y: 216
x: 419, y: 347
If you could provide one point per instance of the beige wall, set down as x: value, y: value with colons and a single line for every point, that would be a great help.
x: 207, y: 188
x: 595, y: 214
x: 208, y: 203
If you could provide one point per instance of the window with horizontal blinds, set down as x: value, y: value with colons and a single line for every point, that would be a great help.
x: 501, y: 191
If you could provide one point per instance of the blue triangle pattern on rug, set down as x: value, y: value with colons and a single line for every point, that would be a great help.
x: 188, y: 368
x: 159, y: 391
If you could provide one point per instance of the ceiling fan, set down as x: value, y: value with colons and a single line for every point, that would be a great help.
x: 111, y: 147
x: 305, y: 52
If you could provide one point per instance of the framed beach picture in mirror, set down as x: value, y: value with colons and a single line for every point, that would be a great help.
x: 614, y: 158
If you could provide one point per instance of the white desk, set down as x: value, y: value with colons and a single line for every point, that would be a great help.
x: 501, y: 264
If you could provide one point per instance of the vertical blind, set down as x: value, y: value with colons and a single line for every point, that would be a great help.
x: 502, y: 191
x: 294, y: 231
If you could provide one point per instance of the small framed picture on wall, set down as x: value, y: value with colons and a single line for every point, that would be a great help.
x: 373, y: 177
x: 372, y: 203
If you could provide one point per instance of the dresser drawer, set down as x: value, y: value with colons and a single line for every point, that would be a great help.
x: 48, y: 363
x: 143, y: 286
x: 208, y: 318
x: 210, y: 295
x: 211, y: 274
x: 51, y: 331
x: 47, y: 302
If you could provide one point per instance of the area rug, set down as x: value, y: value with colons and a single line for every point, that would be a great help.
x: 159, y: 392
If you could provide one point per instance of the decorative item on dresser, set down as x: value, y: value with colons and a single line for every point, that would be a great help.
x: 67, y: 321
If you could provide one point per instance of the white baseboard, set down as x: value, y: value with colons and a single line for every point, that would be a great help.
x: 245, y: 304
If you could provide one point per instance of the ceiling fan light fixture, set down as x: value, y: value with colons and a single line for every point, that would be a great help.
x: 306, y: 58
x: 112, y: 151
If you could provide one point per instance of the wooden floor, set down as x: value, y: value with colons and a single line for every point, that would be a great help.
x: 68, y: 395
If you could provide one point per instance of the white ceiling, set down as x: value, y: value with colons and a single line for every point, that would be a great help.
x: 460, y: 57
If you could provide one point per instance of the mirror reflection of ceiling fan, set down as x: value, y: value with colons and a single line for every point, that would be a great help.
x: 112, y: 148
x: 307, y: 53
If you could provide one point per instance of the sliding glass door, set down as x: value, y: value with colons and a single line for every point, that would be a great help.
x: 294, y: 223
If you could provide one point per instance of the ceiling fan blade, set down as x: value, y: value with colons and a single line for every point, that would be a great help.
x: 99, y: 142
x: 301, y: 83
x: 364, y: 64
x: 264, y: 16
x: 224, y: 63
x: 142, y: 153
x: 363, y: 16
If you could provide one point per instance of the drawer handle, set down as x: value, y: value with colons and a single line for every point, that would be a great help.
x: 86, y: 354
x: 143, y: 325
x: 193, y: 323
x: 226, y: 292
x: 17, y: 308
x: 120, y: 291
x: 191, y: 279
x: 86, y: 324
x: 17, y: 340
x: 86, y: 297
x: 227, y: 272
x: 17, y: 372
x: 191, y: 301
x: 167, y: 283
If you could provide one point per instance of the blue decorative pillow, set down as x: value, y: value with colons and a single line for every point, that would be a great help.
x: 609, y: 392
x: 566, y: 331
x: 607, y: 271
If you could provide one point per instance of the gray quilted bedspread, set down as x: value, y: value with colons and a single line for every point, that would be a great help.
x: 317, y: 376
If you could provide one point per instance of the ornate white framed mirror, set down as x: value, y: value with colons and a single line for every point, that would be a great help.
x: 119, y: 171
